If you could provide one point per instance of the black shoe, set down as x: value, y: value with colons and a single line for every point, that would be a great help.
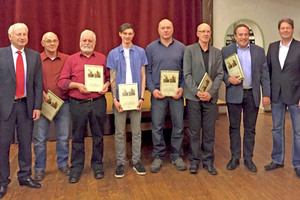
x: 98, y: 174
x: 3, y: 190
x: 39, y: 175
x: 30, y: 183
x: 297, y: 170
x: 233, y: 163
x: 250, y: 165
x: 273, y: 166
x: 65, y: 170
x: 74, y: 177
x: 194, y: 169
x: 210, y: 169
x: 119, y: 173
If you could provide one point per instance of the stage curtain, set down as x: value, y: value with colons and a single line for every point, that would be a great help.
x: 68, y: 18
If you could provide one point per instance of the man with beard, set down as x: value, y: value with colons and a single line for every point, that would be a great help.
x: 85, y: 106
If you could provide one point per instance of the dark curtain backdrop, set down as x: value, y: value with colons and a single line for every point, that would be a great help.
x: 68, y: 18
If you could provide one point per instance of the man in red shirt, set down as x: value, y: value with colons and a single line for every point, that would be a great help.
x: 85, y: 106
x: 52, y: 63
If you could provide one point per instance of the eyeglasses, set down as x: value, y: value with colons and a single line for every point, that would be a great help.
x: 50, y: 41
x: 208, y: 32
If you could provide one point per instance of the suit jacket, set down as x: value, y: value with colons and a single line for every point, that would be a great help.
x: 34, y: 81
x: 285, y: 83
x: 260, y: 75
x: 194, y: 70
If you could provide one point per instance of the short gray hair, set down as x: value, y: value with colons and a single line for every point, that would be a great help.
x: 17, y: 25
x: 85, y: 31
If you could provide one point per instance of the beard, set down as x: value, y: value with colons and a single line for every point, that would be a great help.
x: 86, y: 49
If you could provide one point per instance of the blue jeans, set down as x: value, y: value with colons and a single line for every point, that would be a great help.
x: 278, y: 116
x: 158, y: 113
x: 40, y: 136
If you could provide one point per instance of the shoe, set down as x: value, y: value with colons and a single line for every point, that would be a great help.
x: 297, y: 170
x: 119, y: 173
x: 210, y: 169
x: 65, y: 170
x: 250, y: 165
x: 233, y: 163
x: 39, y: 175
x: 179, y: 164
x: 139, y: 168
x: 272, y: 166
x: 30, y: 183
x: 74, y: 177
x: 194, y: 169
x: 98, y: 174
x: 156, y: 165
x: 3, y: 190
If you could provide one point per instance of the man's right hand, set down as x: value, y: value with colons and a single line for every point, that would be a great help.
x: 118, y: 105
x: 157, y: 94
x: 234, y: 80
x: 82, y: 88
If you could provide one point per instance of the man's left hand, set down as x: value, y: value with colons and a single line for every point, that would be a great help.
x: 205, y: 96
x: 36, y: 115
x: 140, y: 104
x: 104, y: 89
x: 178, y: 93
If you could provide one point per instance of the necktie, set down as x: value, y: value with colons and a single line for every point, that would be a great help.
x: 20, y: 76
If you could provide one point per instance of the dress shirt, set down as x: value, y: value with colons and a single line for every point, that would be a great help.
x: 51, y: 71
x: 73, y: 71
x: 15, y: 56
x: 116, y: 61
x: 160, y: 58
x: 245, y: 60
x: 205, y: 55
x: 283, y: 51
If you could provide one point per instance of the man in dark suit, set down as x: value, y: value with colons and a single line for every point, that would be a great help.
x: 244, y: 95
x: 284, y: 66
x: 21, y: 89
x: 201, y: 58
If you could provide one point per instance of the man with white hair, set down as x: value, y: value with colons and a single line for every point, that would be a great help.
x: 21, y: 86
x: 85, y: 106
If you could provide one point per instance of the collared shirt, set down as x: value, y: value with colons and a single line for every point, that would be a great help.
x: 160, y: 58
x: 73, y: 71
x: 116, y: 60
x: 283, y: 51
x: 51, y: 71
x: 245, y: 60
x: 205, y: 55
x: 15, y: 56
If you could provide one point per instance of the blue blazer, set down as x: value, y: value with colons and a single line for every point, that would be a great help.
x: 286, y: 82
x: 34, y: 81
x: 260, y: 75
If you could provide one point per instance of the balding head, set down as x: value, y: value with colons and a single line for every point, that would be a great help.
x: 50, y: 43
x: 165, y: 29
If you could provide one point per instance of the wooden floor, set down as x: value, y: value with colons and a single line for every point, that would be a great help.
x: 169, y: 183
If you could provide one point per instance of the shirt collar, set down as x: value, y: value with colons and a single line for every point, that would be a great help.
x: 173, y: 40
x: 280, y: 44
x: 93, y: 54
x: 247, y: 47
x: 121, y: 49
x: 14, y: 49
x: 44, y: 56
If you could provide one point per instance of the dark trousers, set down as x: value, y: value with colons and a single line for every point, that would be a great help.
x: 19, y: 117
x: 250, y: 112
x: 93, y: 112
x: 201, y: 115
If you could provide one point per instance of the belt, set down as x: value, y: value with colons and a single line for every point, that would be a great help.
x: 85, y: 100
x: 20, y: 100
x: 247, y: 90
